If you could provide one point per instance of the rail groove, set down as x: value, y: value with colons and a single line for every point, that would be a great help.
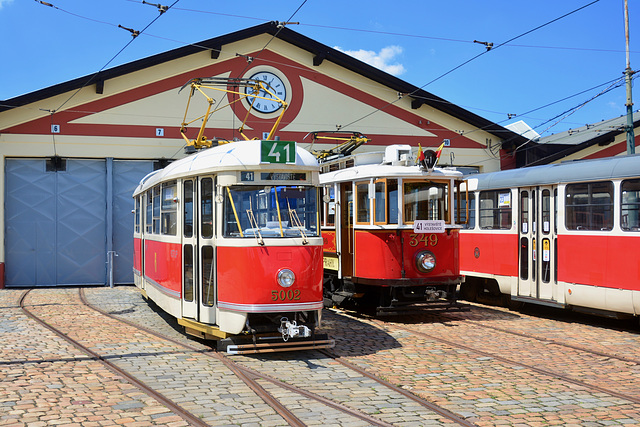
x: 185, y: 415
x: 524, y: 365
x: 249, y: 376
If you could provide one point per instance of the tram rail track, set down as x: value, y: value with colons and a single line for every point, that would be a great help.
x: 556, y: 342
x: 178, y: 410
x: 250, y: 377
x: 507, y: 360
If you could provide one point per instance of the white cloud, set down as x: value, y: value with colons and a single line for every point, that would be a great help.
x: 381, y: 60
x: 3, y: 2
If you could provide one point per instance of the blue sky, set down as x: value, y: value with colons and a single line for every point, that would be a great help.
x: 550, y: 77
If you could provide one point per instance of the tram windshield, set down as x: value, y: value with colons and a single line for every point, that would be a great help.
x: 270, y: 211
x: 426, y: 200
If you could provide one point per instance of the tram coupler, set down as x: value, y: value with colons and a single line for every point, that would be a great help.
x: 291, y: 329
x: 434, y: 295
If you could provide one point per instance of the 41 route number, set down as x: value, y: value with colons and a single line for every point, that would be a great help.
x: 278, y: 152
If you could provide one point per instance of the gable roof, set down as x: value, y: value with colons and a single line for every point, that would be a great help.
x: 321, y: 53
x: 556, y: 147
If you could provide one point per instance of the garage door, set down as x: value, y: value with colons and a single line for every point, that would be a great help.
x: 60, y: 216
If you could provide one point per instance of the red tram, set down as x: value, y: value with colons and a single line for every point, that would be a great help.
x: 565, y: 235
x: 227, y: 240
x: 229, y: 244
x: 390, y: 238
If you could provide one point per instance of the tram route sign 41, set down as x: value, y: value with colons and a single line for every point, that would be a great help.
x: 428, y: 226
x: 278, y: 152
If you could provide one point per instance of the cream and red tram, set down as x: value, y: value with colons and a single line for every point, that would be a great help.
x: 227, y: 241
x: 565, y: 235
x: 390, y: 238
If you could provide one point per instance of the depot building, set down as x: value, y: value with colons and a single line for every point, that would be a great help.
x: 72, y: 153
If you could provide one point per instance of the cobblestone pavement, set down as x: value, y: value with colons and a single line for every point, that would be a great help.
x: 452, y: 360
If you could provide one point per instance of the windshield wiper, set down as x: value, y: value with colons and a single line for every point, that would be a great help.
x: 254, y: 224
x: 295, y: 221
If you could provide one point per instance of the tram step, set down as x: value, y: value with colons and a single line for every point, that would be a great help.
x: 232, y: 347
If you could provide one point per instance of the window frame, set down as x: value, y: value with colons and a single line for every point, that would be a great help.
x: 447, y: 198
x: 496, y: 209
x: 358, y: 209
x: 626, y: 227
x: 589, y: 208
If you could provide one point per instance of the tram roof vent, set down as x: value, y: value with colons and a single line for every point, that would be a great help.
x: 398, y: 155
x: 368, y: 158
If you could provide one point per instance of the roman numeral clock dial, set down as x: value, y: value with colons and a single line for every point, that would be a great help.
x: 275, y: 85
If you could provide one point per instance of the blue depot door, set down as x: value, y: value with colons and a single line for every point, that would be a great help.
x: 64, y: 217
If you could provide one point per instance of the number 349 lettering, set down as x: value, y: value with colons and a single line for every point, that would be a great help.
x: 427, y: 239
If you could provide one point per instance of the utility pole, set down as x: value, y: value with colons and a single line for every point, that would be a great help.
x: 631, y: 140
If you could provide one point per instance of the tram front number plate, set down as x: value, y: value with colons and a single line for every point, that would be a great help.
x: 278, y: 152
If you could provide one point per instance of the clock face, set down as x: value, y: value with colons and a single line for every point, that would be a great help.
x: 275, y: 85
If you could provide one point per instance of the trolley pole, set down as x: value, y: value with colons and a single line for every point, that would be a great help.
x: 631, y: 143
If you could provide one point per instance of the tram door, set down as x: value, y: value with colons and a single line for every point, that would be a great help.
x: 206, y: 281
x: 347, y: 237
x: 547, y: 246
x: 536, y: 242
x: 189, y: 251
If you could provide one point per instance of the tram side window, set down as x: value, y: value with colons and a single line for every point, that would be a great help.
x: 546, y: 211
x: 524, y: 213
x: 392, y: 203
x: 461, y: 214
x: 380, y: 202
x: 149, y: 213
x: 495, y: 209
x: 169, y: 210
x: 188, y: 208
x: 630, y: 199
x: 206, y: 214
x: 425, y: 200
x: 386, y: 201
x: 208, y: 282
x: 137, y: 214
x: 329, y: 209
x: 589, y: 206
x: 362, y: 203
x: 156, y: 209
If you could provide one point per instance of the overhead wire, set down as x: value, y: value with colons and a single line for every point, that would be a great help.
x: 248, y: 17
x: 114, y: 57
x: 135, y: 34
x: 613, y: 85
x: 474, y: 58
x: 275, y: 35
x: 385, y: 33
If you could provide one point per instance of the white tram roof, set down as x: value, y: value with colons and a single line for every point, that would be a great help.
x: 239, y: 155
x: 396, y: 161
x: 572, y: 171
x: 354, y: 173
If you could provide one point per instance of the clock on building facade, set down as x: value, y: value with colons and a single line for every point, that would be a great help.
x: 276, y: 85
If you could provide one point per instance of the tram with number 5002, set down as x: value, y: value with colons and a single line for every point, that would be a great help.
x: 390, y: 237
x: 564, y: 235
x: 227, y: 241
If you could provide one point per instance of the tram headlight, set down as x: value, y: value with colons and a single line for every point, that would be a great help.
x: 425, y: 261
x: 285, y: 277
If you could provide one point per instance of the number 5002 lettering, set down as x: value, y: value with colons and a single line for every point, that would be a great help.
x: 288, y: 295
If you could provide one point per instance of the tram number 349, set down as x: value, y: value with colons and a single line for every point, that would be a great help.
x: 427, y: 239
x: 288, y: 295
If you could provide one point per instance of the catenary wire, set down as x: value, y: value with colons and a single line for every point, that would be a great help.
x: 112, y: 58
x: 473, y: 58
x: 247, y: 17
x: 366, y: 31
